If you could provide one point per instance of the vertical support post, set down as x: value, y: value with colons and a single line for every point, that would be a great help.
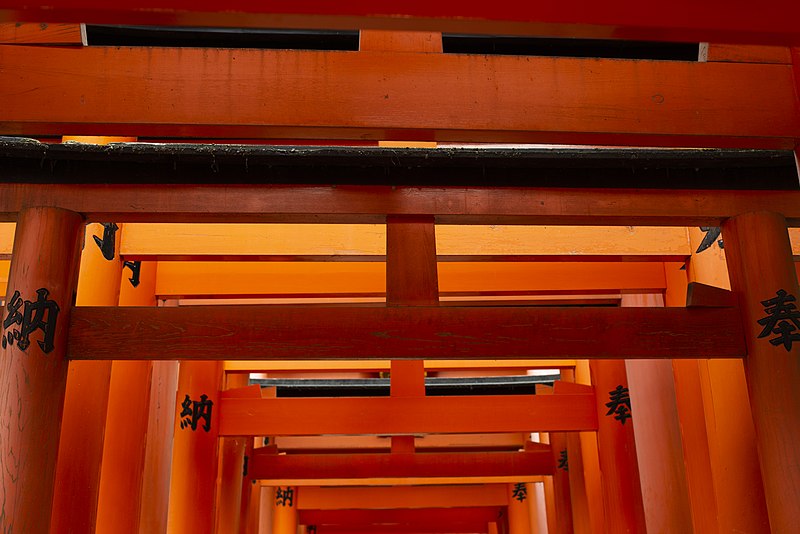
x: 194, y: 454
x: 622, y: 492
x: 727, y: 423
x: 590, y: 462
x: 519, y: 519
x: 284, y: 511
x: 231, y: 471
x: 764, y: 279
x: 158, y: 448
x: 561, y: 490
x: 119, y: 504
x: 33, y: 367
x: 411, y: 280
x: 665, y: 492
x: 83, y: 425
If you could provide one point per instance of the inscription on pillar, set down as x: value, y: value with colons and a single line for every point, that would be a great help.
x: 284, y: 497
x: 782, y: 319
x: 25, y: 317
x: 520, y: 492
x: 563, y: 460
x: 106, y: 244
x: 619, y: 404
x: 192, y: 412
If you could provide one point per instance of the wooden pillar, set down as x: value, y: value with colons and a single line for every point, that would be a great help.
x: 727, y: 422
x: 561, y: 488
x: 519, y: 519
x: 231, y: 471
x: 764, y: 279
x: 194, y: 452
x: 158, y: 448
x: 33, y: 368
x: 665, y: 492
x: 590, y: 461
x: 622, y: 492
x: 80, y: 451
x: 119, y: 504
x: 284, y: 510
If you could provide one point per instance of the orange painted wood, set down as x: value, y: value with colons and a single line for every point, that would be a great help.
x: 124, y: 451
x: 616, y: 446
x: 192, y: 494
x: 33, y: 383
x: 702, y: 295
x: 760, y: 264
x: 389, y: 497
x: 388, y: 40
x: 748, y: 54
x: 380, y: 95
x: 283, y: 332
x: 665, y: 491
x: 720, y: 443
x: 158, y: 448
x: 284, y: 510
x: 451, y: 520
x: 519, y: 520
x: 711, y: 21
x: 406, y: 415
x: 399, y: 465
x: 83, y: 422
x: 452, y: 205
x: 561, y: 485
x: 40, y: 33
x: 232, y: 452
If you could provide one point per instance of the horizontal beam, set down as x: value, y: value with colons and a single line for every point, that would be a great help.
x: 450, y: 205
x: 323, y: 366
x: 41, y: 34
x: 422, y: 443
x: 712, y: 20
x: 414, y: 465
x: 318, y: 242
x: 329, y: 498
x: 415, y: 520
x: 406, y: 415
x: 271, y: 94
x: 292, y: 332
x: 362, y: 280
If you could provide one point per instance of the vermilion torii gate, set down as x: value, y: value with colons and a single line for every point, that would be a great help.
x: 50, y: 192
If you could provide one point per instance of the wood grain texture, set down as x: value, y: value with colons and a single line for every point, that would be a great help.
x: 32, y: 382
x: 749, y: 54
x: 406, y: 415
x: 449, y: 205
x: 271, y: 94
x: 760, y: 264
x: 702, y: 295
x: 714, y: 20
x: 40, y: 34
x: 284, y: 332
x: 411, y: 465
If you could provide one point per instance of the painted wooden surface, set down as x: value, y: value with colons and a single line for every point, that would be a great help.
x: 733, y: 53
x: 400, y: 465
x: 379, y: 95
x: 759, y: 262
x: 40, y: 33
x: 271, y: 332
x: 714, y: 20
x: 332, y: 498
x: 33, y: 382
x: 367, y: 242
x: 370, y: 205
x: 665, y: 490
x: 410, y: 415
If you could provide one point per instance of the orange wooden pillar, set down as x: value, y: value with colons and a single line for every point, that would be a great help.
x: 764, y: 279
x: 720, y: 444
x: 85, y: 405
x: 231, y: 471
x: 665, y: 492
x: 284, y: 510
x: 33, y: 372
x: 194, y: 453
x: 561, y: 488
x: 153, y: 513
x: 119, y: 503
x: 519, y: 519
x: 622, y: 492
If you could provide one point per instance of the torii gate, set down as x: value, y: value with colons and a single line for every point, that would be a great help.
x: 50, y: 201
